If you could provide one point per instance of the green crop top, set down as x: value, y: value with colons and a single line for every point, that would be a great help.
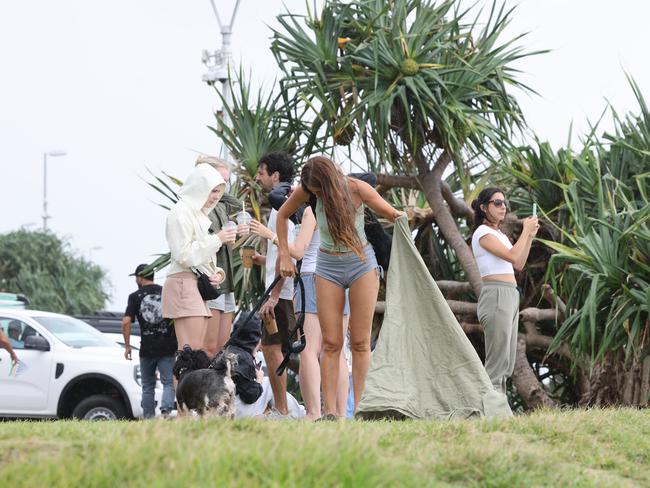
x: 326, y: 241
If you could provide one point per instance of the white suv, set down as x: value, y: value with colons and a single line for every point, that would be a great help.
x: 66, y: 369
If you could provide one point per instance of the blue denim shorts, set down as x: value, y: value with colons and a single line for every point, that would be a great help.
x: 345, y: 269
x: 224, y: 303
x: 310, y: 295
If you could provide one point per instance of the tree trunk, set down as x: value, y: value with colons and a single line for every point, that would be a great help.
x: 611, y: 383
x: 524, y: 379
x: 432, y: 187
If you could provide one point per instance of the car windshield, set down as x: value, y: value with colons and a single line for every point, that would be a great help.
x: 73, y: 332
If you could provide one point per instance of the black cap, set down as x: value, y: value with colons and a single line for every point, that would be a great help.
x: 138, y: 272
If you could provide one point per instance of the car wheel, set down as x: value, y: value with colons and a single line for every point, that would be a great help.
x: 99, y: 407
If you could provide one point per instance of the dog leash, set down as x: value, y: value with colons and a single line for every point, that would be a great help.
x: 295, y: 346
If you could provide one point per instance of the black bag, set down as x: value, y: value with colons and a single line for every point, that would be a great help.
x: 207, y: 291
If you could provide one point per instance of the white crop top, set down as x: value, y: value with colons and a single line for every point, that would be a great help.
x: 488, y: 263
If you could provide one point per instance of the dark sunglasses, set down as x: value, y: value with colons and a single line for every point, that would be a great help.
x: 498, y: 202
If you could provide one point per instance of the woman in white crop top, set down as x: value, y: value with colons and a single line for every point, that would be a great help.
x: 498, y: 304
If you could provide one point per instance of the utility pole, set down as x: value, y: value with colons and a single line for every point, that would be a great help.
x: 45, y: 155
x: 218, y: 63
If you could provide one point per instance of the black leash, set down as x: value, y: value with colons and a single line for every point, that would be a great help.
x: 295, y: 346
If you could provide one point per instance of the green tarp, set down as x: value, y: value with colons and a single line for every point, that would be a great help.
x: 423, y: 366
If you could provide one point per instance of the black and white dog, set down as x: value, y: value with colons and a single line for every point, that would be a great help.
x: 205, y: 385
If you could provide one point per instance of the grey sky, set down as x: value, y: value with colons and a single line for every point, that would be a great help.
x: 118, y: 86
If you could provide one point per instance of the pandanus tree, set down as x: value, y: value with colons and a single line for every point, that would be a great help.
x: 420, y: 86
x: 421, y: 92
x: 597, y: 213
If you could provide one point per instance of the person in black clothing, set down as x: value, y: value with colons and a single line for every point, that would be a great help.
x: 157, y: 342
x: 254, y: 395
x: 244, y: 342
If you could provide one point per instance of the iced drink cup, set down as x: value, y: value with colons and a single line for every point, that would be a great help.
x: 230, y: 225
x: 244, y: 218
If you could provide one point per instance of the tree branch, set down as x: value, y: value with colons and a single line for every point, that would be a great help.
x: 549, y: 294
x: 458, y: 206
x: 454, y: 287
x: 397, y: 181
x: 538, y: 341
x: 533, y: 314
x: 456, y: 306
x: 524, y: 379
x: 432, y: 187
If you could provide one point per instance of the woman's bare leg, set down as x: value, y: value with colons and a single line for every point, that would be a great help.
x: 190, y: 331
x: 309, y: 374
x: 330, y: 298
x: 363, y: 298
x: 225, y: 329
x: 217, y: 332
x: 344, y: 377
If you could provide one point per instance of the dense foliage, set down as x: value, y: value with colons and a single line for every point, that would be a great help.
x: 43, y: 267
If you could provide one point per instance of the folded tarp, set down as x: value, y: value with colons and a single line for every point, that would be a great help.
x: 424, y: 366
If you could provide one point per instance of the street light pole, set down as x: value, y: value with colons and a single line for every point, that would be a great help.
x: 218, y: 64
x: 45, y: 155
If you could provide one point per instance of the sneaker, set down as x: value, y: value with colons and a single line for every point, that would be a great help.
x: 275, y: 414
x: 328, y: 417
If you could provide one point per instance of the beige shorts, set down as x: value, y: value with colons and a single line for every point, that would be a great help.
x: 181, y: 297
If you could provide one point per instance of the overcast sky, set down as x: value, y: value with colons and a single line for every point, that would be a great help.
x: 117, y: 85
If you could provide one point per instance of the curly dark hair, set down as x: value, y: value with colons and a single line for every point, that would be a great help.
x: 280, y: 162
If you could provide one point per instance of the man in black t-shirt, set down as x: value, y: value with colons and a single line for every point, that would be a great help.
x: 157, y: 342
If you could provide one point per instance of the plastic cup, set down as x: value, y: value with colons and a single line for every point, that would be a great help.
x: 230, y: 225
x: 244, y: 218
x: 247, y: 253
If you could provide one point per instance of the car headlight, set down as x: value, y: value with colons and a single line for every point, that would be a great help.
x: 136, y: 374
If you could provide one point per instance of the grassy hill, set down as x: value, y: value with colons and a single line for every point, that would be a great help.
x: 551, y: 448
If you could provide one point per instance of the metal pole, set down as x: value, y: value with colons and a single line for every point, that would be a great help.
x: 226, y: 32
x: 45, y: 155
x: 45, y: 216
x: 226, y: 56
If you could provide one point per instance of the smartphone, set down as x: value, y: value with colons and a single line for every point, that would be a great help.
x: 534, y: 210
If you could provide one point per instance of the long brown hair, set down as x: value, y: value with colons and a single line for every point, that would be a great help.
x: 321, y: 173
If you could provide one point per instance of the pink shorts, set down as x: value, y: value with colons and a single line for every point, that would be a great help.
x: 181, y: 297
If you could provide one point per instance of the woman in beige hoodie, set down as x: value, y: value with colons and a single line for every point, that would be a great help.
x: 192, y: 246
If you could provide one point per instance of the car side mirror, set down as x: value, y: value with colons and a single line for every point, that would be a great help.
x: 36, y: 342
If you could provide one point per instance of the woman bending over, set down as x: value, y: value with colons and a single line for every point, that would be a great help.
x: 345, y: 261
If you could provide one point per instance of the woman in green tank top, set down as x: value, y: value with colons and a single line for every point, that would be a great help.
x: 345, y: 260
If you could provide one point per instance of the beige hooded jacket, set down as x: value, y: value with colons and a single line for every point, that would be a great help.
x: 187, y: 227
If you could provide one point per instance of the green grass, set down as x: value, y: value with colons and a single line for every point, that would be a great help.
x: 551, y: 448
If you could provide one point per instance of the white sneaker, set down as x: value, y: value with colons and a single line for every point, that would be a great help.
x: 275, y: 414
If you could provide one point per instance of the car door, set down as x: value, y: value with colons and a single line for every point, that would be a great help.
x: 24, y: 389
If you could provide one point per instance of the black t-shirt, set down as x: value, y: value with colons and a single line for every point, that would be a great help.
x: 157, y: 337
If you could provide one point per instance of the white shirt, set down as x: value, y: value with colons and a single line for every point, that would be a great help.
x: 187, y: 226
x: 488, y: 263
x: 311, y: 253
x: 272, y: 256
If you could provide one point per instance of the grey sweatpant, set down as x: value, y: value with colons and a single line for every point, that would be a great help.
x: 498, y: 313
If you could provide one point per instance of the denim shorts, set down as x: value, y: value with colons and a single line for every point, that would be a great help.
x: 310, y: 295
x: 345, y: 269
x: 225, y: 303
